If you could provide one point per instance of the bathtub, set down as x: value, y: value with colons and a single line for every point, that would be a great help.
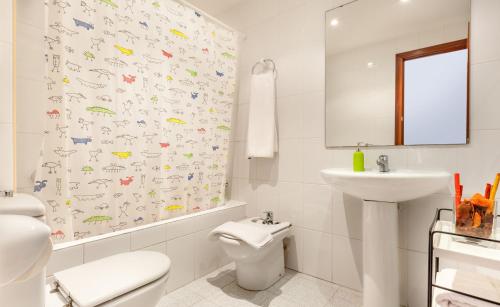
x: 183, y: 239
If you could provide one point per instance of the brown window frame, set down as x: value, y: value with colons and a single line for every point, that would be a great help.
x: 401, y: 58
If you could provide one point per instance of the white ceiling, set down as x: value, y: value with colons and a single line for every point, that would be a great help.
x: 369, y: 21
x: 215, y: 7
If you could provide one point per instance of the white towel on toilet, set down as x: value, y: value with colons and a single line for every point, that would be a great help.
x: 248, y: 233
x: 262, y: 135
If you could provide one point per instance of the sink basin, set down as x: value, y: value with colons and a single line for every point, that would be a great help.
x: 394, y: 186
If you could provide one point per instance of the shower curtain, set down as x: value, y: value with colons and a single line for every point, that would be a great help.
x: 140, y: 96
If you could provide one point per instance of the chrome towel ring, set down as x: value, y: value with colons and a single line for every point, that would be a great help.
x: 264, y: 62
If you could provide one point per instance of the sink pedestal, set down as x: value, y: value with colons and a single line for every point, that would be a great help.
x: 380, y: 254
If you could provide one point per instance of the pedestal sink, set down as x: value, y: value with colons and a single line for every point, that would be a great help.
x: 380, y: 193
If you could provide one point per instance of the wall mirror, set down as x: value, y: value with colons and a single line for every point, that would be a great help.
x: 397, y: 72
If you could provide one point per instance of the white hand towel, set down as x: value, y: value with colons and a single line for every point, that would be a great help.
x: 262, y: 136
x: 252, y: 235
x: 467, y: 282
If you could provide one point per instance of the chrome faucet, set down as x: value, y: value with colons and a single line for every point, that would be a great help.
x: 383, y: 163
x: 269, y: 219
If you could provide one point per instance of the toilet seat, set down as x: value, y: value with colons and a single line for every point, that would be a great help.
x: 101, y: 281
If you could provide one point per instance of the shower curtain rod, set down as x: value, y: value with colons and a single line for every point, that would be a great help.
x: 212, y: 18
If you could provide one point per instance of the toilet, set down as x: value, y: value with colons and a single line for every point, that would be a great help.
x: 257, y: 267
x: 128, y: 279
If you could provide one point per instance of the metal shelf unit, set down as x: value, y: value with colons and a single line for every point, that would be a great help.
x: 443, y: 245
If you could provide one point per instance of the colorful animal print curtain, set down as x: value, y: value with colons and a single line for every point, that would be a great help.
x: 140, y: 94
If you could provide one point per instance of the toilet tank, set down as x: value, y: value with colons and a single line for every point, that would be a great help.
x: 22, y: 204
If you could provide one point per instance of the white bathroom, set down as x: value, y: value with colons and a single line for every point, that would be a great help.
x: 159, y: 153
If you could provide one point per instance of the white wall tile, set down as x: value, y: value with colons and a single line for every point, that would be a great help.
x: 316, y: 157
x: 347, y: 259
x: 267, y: 198
x: 417, y: 279
x: 397, y: 158
x: 267, y: 168
x: 290, y: 203
x: 27, y: 155
x: 484, y: 24
x: 182, y: 227
x: 317, y: 254
x: 7, y: 159
x: 243, y: 190
x: 64, y: 259
x: 159, y: 248
x: 181, y: 252
x: 213, y: 219
x: 31, y: 106
x: 233, y: 214
x: 485, y: 150
x: 146, y: 237
x: 242, y: 166
x: 244, y: 82
x: 403, y: 277
x: 289, y: 67
x: 403, y: 226
x: 435, y: 158
x: 6, y: 21
x: 313, y: 104
x: 290, y: 160
x: 30, y: 55
x: 484, y: 93
x: 347, y: 215
x: 294, y: 251
x: 31, y: 101
x: 209, y: 254
x: 343, y: 157
x: 290, y: 117
x: 5, y: 83
x: 420, y: 214
x: 313, y: 72
x: 31, y: 13
x: 241, y: 123
x: 317, y: 207
x: 106, y: 247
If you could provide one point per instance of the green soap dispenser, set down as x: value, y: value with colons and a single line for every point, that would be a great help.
x: 358, y: 160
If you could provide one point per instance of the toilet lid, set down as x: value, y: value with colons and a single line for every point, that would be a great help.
x: 99, y: 281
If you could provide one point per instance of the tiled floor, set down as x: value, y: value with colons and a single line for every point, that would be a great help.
x: 219, y: 289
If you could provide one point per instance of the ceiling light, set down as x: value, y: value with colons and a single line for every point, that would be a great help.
x: 404, y: 1
x: 370, y: 64
x: 334, y: 22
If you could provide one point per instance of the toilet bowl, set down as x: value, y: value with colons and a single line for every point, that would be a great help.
x: 257, y: 268
x: 124, y: 280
